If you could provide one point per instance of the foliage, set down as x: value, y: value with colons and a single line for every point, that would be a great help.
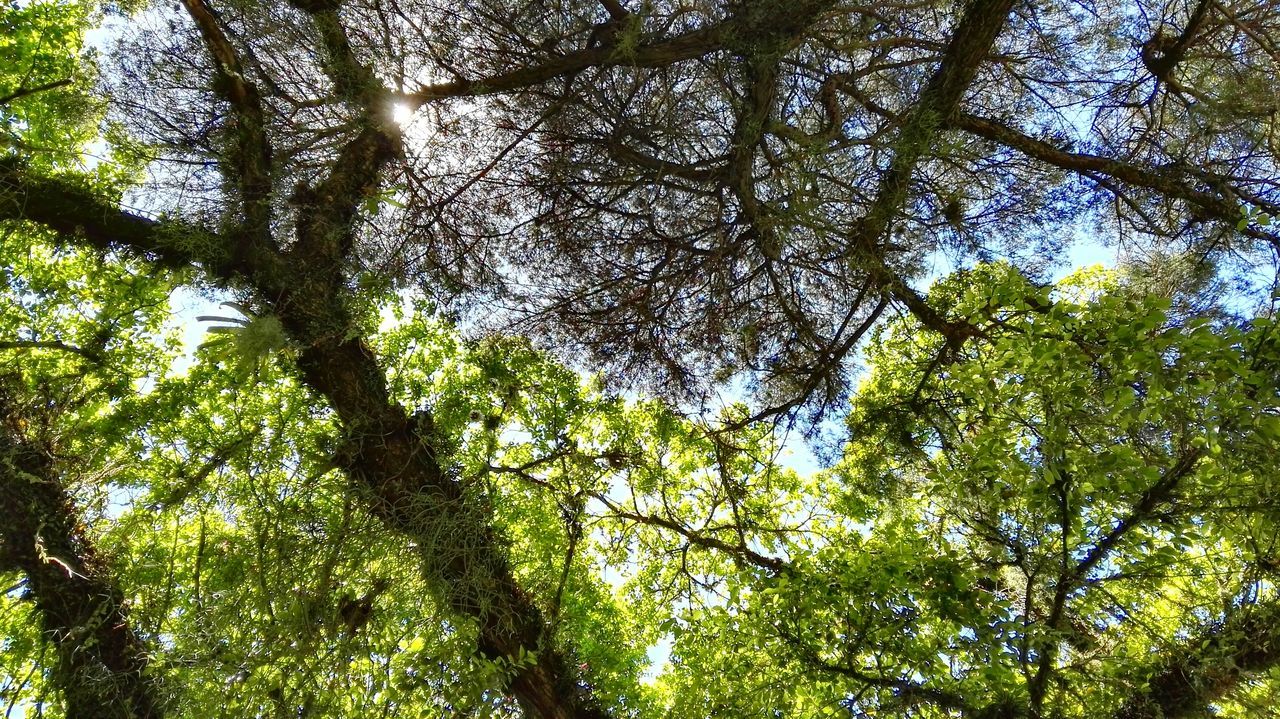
x: 928, y: 560
x: 358, y: 497
x: 46, y: 114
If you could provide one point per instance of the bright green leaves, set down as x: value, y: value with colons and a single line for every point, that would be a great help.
x: 1253, y: 215
x: 81, y: 335
x: 250, y: 339
x: 1018, y: 520
x: 1078, y: 486
x: 24, y: 656
x: 46, y: 113
x: 80, y: 330
x: 1086, y: 455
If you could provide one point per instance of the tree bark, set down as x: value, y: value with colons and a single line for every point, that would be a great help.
x: 101, y: 663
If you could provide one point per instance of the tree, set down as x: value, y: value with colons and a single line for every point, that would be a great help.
x: 361, y: 498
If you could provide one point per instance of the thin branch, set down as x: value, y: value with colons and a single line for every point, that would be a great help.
x: 217, y: 461
x: 28, y: 91
x: 88, y: 354
x: 740, y: 553
x: 1159, y: 493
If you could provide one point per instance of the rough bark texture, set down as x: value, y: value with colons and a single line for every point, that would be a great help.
x: 101, y: 663
x: 1212, y: 664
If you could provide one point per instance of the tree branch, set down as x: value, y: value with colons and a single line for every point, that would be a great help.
x: 354, y: 81
x: 87, y: 354
x: 393, y: 458
x: 79, y: 212
x: 1170, y: 181
x: 28, y: 91
x: 969, y: 46
x: 251, y: 159
x: 741, y: 30
x: 910, y: 692
x: 1157, y: 494
x: 740, y: 553
x: 1185, y: 681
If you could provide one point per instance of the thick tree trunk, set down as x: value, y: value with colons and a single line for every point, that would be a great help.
x: 102, y: 663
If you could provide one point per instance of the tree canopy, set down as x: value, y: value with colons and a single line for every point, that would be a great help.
x: 457, y: 442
